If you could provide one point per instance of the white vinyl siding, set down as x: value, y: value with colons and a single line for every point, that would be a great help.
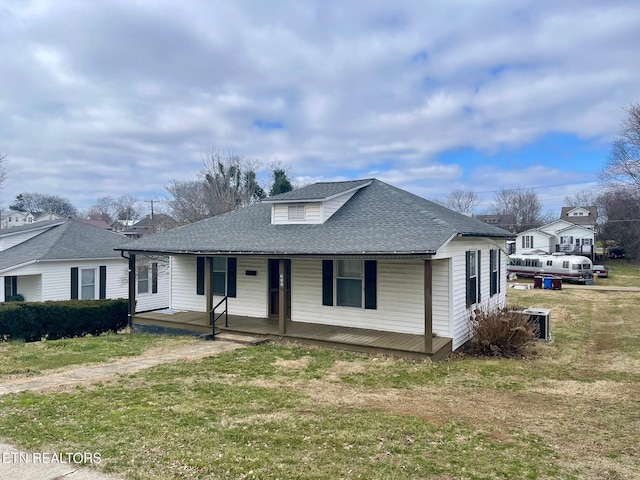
x: 332, y: 206
x: 55, y: 277
x: 460, y: 314
x: 441, y: 316
x: 30, y: 287
x: 251, y: 293
x: 280, y: 213
x: 400, y: 298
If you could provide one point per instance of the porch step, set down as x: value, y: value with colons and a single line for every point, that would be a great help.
x: 237, y: 338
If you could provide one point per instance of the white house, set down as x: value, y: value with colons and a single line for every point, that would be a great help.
x: 557, y: 236
x: 16, y: 218
x: 360, y: 263
x: 63, y: 260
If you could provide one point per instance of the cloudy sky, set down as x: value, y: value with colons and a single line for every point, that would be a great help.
x: 111, y: 97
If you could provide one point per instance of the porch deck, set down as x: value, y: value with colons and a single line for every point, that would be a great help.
x: 345, y: 338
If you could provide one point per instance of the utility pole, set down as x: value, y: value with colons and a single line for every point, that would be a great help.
x: 153, y: 223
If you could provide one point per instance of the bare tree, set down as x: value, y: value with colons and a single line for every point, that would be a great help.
x: 583, y: 198
x: 462, y: 201
x: 523, y: 204
x: 226, y: 182
x: 103, y: 209
x: 620, y: 177
x: 188, y: 201
x: 230, y: 181
x: 623, y: 166
x: 43, y: 203
x: 621, y: 209
x: 128, y: 209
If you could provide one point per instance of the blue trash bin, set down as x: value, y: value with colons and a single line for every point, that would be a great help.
x: 548, y: 283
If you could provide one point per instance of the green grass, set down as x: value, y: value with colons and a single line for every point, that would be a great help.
x: 287, y: 411
x: 622, y: 273
x: 34, y: 358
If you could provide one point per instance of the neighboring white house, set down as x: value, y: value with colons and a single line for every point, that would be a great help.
x: 63, y: 260
x: 557, y: 236
x: 358, y: 254
x: 15, y: 218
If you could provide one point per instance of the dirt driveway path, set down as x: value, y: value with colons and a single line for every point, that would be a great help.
x: 18, y: 464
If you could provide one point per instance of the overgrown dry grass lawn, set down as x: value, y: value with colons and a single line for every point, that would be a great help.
x: 286, y: 411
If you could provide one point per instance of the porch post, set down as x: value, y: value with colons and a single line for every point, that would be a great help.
x: 208, y: 287
x: 428, y: 307
x: 282, y: 315
x: 132, y: 289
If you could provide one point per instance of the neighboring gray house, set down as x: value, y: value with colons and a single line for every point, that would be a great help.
x: 63, y: 260
x: 358, y: 263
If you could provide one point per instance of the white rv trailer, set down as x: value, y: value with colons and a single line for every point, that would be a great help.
x: 572, y: 268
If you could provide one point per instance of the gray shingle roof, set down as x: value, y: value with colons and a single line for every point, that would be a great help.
x: 68, y: 241
x: 378, y: 219
x: 30, y: 226
x: 318, y: 191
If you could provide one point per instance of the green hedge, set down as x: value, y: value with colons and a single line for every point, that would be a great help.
x: 34, y: 321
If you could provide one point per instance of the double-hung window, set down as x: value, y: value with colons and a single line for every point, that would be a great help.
x: 494, y: 267
x: 220, y: 276
x: 349, y: 283
x: 473, y: 277
x: 87, y: 284
x: 143, y: 279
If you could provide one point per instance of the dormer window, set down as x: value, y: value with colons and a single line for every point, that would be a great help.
x: 296, y: 213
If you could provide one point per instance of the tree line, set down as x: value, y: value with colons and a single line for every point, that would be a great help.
x: 225, y: 183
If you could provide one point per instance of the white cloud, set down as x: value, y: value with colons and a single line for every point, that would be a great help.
x: 99, y: 96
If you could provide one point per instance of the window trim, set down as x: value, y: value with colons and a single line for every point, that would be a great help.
x: 143, y: 277
x: 81, y: 284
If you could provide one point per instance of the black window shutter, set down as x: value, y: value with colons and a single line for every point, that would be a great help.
x: 74, y: 283
x: 103, y: 282
x: 370, y: 284
x: 468, y: 277
x: 154, y: 277
x: 232, y: 269
x: 498, y: 267
x: 200, y: 276
x: 479, y: 272
x: 492, y: 277
x: 327, y: 282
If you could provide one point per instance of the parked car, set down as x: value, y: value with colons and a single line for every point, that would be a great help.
x: 600, y: 270
x: 616, y: 252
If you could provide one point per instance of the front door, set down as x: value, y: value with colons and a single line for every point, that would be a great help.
x: 274, y: 288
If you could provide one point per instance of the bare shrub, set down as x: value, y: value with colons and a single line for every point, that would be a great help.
x: 502, y: 332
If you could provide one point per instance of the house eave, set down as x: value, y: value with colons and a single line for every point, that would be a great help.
x: 287, y: 254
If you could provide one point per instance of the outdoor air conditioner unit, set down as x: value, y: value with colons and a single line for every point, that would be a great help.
x: 541, y: 318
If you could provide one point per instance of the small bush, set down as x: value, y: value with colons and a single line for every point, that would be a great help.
x: 503, y: 332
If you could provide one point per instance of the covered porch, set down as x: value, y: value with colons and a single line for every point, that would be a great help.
x: 340, y: 337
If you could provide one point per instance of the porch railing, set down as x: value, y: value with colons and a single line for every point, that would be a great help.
x: 213, y: 318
